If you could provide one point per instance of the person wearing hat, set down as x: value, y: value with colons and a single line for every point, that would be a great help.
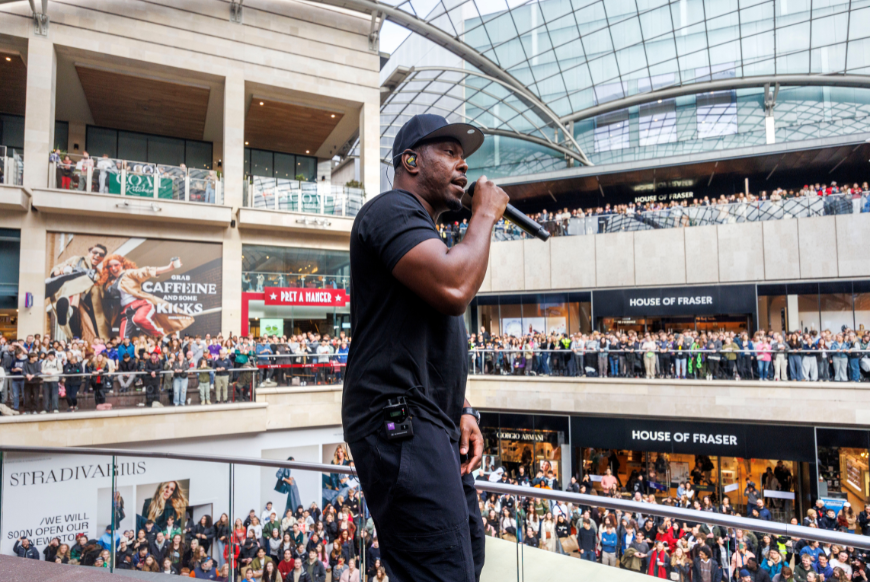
x: 408, y: 296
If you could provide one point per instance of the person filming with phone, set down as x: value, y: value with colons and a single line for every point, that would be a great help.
x: 414, y: 437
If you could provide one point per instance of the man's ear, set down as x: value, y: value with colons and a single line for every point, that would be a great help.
x: 411, y: 162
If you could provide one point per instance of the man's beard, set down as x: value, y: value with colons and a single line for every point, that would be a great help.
x: 454, y: 204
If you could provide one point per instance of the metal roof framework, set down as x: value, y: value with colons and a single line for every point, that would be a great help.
x: 579, y: 59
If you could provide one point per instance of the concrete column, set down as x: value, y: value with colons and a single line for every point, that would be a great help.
x: 370, y: 147
x: 233, y: 165
x: 31, y: 278
x: 39, y: 112
x: 792, y: 312
x: 233, y: 146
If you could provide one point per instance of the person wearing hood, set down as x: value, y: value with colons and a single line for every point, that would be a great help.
x: 51, y: 369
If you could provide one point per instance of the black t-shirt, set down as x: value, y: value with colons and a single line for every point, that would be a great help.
x: 401, y: 345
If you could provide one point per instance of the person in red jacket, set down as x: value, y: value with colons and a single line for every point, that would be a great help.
x: 285, y: 566
x: 233, y: 547
x: 666, y: 534
x: 658, y: 560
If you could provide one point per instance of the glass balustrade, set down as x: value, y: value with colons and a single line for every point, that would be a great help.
x: 305, y: 197
x: 137, y: 179
x: 156, y: 512
x: 11, y: 166
x: 689, y: 216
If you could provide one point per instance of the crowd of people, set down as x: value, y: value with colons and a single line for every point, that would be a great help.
x: 725, y: 355
x: 37, y: 374
x: 297, y: 544
x: 557, y: 222
x: 684, y: 551
x: 73, y: 175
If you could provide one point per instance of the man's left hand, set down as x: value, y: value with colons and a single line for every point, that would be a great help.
x: 470, y: 442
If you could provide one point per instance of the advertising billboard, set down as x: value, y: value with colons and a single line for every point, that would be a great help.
x: 106, y: 286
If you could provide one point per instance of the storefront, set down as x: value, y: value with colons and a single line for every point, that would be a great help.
x: 719, y: 459
x: 533, y: 442
x: 518, y: 315
x: 671, y: 309
x: 843, y: 466
x: 287, y: 291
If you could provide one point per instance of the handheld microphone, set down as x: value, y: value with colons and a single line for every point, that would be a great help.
x: 525, y: 223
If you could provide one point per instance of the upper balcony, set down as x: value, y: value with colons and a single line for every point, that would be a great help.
x: 283, y: 204
x: 793, y: 239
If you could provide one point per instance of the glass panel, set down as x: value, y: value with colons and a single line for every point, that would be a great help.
x: 61, y: 135
x: 808, y: 312
x: 862, y: 311
x: 102, y: 141
x: 836, y: 311
x: 12, y: 131
x: 198, y: 154
x: 261, y: 163
x: 132, y: 146
x: 306, y: 169
x: 285, y: 166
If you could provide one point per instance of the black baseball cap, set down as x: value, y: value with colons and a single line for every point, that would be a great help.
x: 426, y: 127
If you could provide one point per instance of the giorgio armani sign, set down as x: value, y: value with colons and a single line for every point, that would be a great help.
x: 707, y: 300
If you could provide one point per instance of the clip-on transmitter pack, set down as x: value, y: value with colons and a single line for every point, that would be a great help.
x: 397, y: 419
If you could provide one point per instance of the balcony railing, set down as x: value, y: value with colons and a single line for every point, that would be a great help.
x: 256, y: 281
x: 679, y: 217
x: 11, y: 167
x: 138, y: 179
x: 54, y: 496
x: 306, y: 197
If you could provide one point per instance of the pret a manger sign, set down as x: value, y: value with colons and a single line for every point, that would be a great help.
x: 306, y: 297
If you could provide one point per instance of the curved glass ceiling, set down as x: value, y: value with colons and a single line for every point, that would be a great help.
x: 570, y: 55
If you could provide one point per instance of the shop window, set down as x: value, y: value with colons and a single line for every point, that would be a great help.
x: 772, y: 313
x: 489, y: 319
x: 808, y: 312
x: 836, y: 311
x: 862, y: 311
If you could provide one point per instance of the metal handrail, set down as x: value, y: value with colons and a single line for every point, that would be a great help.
x: 692, y: 515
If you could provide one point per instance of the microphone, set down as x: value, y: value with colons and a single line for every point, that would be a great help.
x: 525, y: 223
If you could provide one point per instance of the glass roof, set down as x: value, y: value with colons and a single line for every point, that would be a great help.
x: 570, y: 55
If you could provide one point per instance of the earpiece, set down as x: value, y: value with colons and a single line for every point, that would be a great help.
x: 412, y: 161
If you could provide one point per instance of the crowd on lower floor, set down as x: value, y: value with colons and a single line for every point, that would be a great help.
x: 40, y: 374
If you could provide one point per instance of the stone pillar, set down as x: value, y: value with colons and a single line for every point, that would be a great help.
x: 233, y: 166
x: 39, y: 112
x: 233, y: 146
x: 31, y: 278
x: 792, y: 313
x: 370, y: 147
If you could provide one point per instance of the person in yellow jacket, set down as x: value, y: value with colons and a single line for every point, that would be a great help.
x: 122, y: 281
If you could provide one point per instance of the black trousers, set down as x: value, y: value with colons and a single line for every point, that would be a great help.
x: 427, y: 516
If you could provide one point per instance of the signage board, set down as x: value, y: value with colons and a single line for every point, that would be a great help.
x: 672, y: 301
x: 306, y: 297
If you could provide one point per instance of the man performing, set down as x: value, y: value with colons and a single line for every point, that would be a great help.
x: 408, y: 296
x: 76, y: 300
x: 137, y: 310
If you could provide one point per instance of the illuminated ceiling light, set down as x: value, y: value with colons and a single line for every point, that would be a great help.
x: 261, y: 102
x: 333, y: 115
x: 10, y: 59
x: 660, y: 100
x: 307, y: 151
x: 246, y: 143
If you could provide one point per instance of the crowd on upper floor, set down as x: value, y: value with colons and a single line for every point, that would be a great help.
x: 557, y: 221
x: 690, y: 354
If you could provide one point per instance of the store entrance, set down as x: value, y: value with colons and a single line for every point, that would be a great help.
x: 717, y: 323
x: 779, y: 482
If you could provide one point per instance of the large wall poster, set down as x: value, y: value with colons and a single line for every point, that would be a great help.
x: 104, y: 286
x: 46, y: 497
